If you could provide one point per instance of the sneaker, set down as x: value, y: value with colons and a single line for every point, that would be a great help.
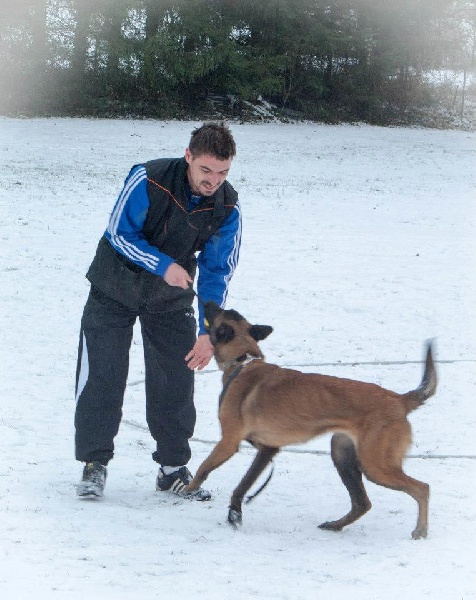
x: 175, y: 482
x: 93, y: 481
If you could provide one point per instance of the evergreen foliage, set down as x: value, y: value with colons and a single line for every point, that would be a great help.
x: 330, y: 60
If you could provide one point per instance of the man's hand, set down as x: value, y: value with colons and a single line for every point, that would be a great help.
x: 177, y: 276
x: 201, y: 354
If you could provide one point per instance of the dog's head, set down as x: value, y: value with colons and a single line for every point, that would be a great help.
x: 231, y: 334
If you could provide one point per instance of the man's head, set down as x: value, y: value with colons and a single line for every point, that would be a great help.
x: 209, y: 155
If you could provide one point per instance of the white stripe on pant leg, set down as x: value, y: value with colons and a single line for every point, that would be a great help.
x: 83, y: 369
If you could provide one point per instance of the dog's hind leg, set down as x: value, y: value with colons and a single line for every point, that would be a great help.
x: 395, y: 479
x: 344, y: 457
x: 381, y: 458
x: 262, y: 458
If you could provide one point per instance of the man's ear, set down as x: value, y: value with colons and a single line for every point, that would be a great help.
x: 260, y: 332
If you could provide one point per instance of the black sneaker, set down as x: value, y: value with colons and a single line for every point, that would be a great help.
x: 175, y: 482
x: 93, y: 481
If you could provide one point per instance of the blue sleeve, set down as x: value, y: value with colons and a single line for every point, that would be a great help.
x: 125, y: 229
x: 217, y: 263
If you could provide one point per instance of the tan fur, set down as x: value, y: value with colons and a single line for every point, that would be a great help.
x: 273, y: 407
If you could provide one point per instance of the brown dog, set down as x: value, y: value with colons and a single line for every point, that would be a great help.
x: 272, y: 407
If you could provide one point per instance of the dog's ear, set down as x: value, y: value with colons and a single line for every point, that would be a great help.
x: 224, y: 333
x: 260, y: 332
x: 212, y: 310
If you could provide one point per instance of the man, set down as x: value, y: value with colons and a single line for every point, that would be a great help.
x: 171, y: 216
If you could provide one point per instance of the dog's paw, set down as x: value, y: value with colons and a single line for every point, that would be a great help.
x: 419, y: 533
x: 331, y: 526
x: 235, y: 518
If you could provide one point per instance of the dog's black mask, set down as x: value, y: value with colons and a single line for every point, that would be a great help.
x: 224, y: 333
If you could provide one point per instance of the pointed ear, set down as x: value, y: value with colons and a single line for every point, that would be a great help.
x: 260, y: 332
x: 211, y: 311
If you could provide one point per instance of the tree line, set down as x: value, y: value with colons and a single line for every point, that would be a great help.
x: 331, y: 60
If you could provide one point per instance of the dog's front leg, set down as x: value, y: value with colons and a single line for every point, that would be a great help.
x: 220, y: 454
x: 262, y: 458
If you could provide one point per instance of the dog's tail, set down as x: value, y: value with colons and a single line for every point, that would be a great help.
x: 427, y: 387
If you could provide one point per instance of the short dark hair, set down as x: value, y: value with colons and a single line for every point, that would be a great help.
x: 214, y: 139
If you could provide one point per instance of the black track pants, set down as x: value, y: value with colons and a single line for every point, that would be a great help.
x: 103, y: 364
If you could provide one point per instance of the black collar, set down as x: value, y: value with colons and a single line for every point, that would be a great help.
x: 243, y: 360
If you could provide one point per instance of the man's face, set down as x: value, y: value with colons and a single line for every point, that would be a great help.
x: 206, y: 173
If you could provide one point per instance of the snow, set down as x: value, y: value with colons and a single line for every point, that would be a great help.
x: 359, y: 244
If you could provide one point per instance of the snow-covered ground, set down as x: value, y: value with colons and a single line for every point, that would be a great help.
x: 359, y: 244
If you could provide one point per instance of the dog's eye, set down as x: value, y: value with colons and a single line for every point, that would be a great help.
x: 224, y: 333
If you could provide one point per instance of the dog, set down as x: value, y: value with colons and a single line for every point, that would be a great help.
x: 271, y: 407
